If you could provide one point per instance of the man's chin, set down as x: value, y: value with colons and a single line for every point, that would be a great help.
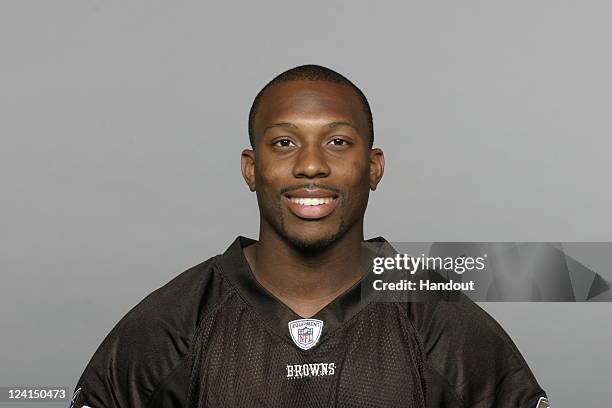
x: 310, y: 244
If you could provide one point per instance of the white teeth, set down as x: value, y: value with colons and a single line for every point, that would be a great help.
x: 311, y: 201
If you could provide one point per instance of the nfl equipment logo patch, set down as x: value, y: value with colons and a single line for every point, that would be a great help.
x: 305, y: 332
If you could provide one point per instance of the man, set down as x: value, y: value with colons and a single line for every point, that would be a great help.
x: 281, y: 322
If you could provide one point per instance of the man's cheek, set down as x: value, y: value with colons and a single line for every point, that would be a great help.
x: 269, y: 187
x: 351, y: 178
x: 356, y: 199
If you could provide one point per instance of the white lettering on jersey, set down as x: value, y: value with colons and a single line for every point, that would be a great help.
x: 310, y: 370
x: 73, y: 400
x: 75, y: 395
x: 543, y: 403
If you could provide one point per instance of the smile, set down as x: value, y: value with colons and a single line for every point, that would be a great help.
x: 311, y: 201
x: 311, y: 208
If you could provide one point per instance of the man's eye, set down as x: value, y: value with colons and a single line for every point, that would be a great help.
x: 283, y: 143
x: 339, y: 142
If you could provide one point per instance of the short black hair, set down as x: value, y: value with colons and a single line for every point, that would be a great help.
x: 311, y: 72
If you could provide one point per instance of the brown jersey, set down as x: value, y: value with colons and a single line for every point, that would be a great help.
x: 214, y: 337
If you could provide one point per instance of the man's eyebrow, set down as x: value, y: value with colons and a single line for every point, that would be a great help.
x: 281, y: 124
x: 288, y: 125
x: 341, y: 123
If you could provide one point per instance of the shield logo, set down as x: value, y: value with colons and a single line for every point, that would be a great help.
x: 305, y: 333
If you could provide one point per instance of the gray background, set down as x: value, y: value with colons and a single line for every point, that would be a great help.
x: 122, y: 125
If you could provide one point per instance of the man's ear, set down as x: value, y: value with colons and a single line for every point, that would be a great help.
x: 247, y: 161
x: 377, y: 167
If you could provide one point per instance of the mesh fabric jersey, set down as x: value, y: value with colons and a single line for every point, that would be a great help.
x: 214, y: 337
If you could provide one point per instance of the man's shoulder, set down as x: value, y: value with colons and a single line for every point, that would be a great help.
x: 154, y: 337
x: 171, y: 311
x: 469, y: 351
x: 461, y: 326
x: 174, y: 308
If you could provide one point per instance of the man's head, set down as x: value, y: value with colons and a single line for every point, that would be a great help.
x: 312, y: 163
x: 311, y: 73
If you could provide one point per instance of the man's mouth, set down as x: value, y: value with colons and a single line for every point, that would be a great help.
x: 311, y: 201
x: 311, y: 205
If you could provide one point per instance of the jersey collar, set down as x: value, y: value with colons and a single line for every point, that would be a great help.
x: 275, y: 313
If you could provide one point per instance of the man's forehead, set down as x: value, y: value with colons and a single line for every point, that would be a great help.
x: 293, y: 101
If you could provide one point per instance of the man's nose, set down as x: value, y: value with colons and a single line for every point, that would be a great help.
x: 311, y: 162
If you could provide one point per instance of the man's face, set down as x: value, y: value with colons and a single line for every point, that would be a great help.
x: 312, y: 167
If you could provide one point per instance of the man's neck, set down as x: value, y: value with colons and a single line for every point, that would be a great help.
x: 306, y: 282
